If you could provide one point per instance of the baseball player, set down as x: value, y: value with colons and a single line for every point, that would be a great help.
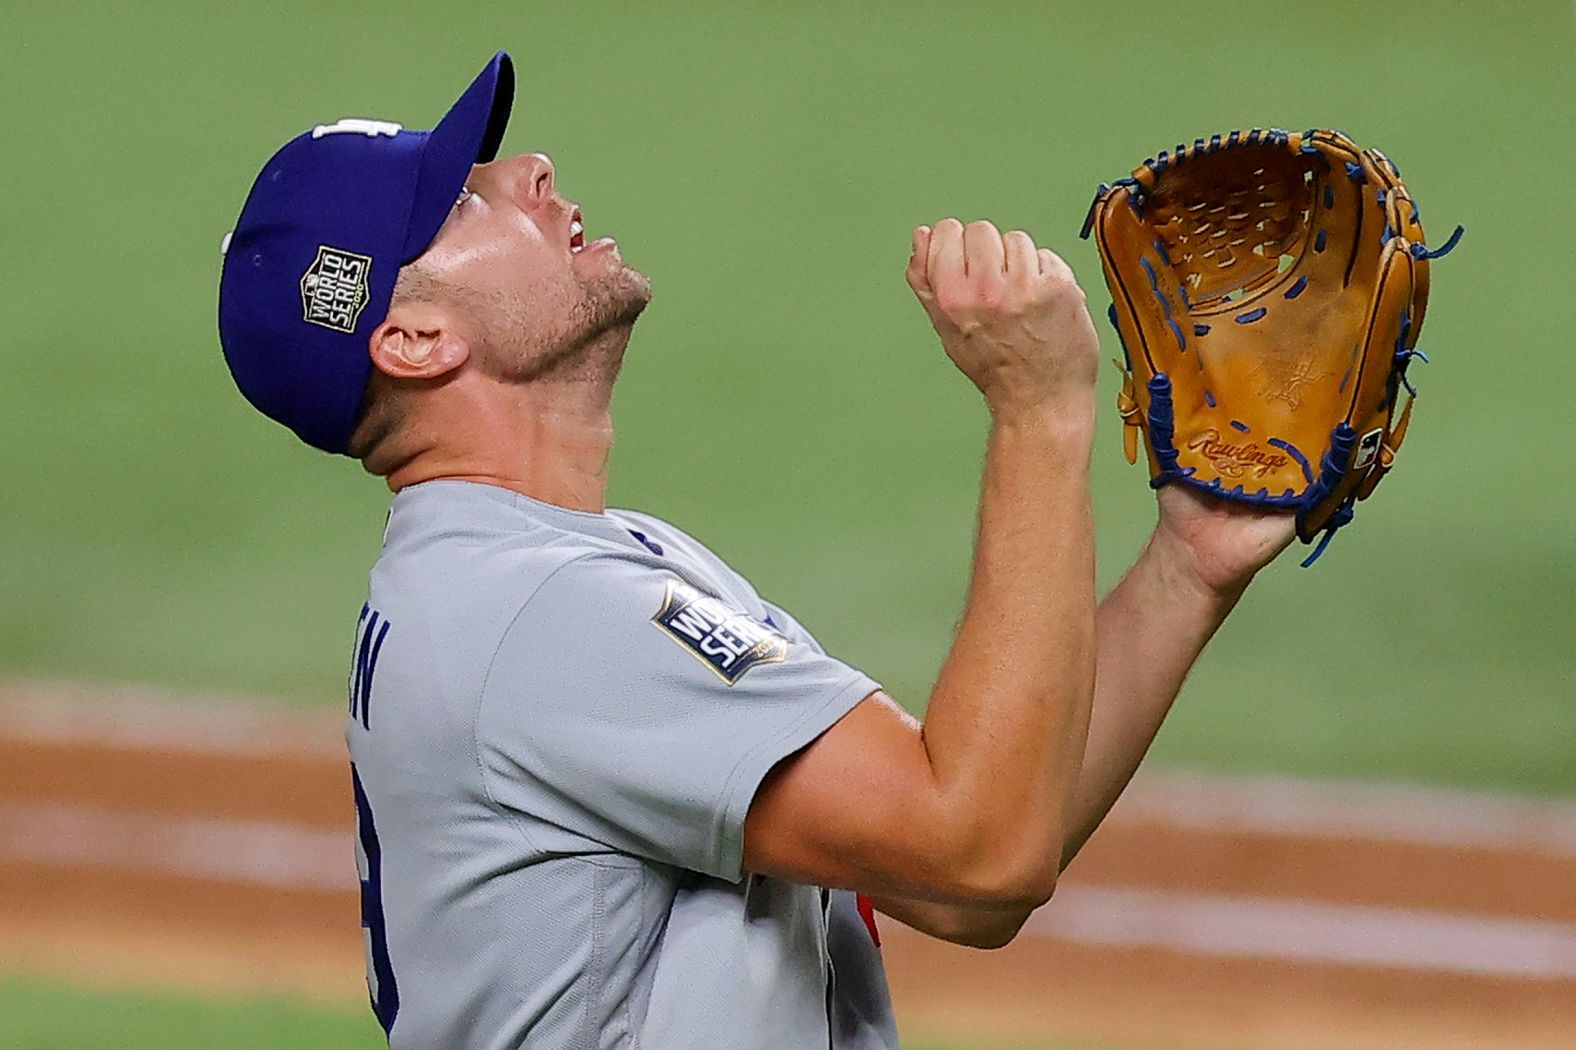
x: 608, y: 795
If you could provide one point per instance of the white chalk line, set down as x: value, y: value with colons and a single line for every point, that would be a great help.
x: 1395, y: 813
x: 128, y: 717
x: 255, y: 853
x: 282, y: 857
x: 139, y: 718
x: 1309, y: 932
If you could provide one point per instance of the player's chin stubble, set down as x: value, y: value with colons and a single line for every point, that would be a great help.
x: 590, y: 344
x: 617, y: 300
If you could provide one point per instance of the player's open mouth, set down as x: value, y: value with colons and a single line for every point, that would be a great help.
x: 577, y: 231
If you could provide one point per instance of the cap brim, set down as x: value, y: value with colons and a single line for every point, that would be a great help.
x: 470, y: 133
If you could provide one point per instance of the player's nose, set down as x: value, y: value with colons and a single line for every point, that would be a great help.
x: 528, y: 178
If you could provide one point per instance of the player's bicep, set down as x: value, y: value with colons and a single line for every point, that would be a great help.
x: 858, y: 808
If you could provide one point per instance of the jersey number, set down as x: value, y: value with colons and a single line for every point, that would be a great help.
x: 381, y: 987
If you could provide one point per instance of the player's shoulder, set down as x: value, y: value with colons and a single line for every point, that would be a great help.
x: 653, y: 527
x: 678, y: 552
x: 669, y: 539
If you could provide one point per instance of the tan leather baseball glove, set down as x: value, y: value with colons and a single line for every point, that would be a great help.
x: 1268, y: 288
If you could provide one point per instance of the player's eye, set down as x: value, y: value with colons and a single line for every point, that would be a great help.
x: 466, y: 193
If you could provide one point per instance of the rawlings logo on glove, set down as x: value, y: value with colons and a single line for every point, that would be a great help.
x: 1236, y: 461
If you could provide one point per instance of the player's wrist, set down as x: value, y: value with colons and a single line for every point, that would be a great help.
x: 1184, y: 573
x: 1067, y: 417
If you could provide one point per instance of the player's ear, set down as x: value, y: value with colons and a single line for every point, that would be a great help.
x: 417, y: 341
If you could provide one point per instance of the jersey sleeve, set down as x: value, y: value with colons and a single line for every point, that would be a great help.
x: 630, y: 706
x: 791, y: 628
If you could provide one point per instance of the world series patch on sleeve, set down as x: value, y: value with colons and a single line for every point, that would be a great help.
x: 727, y: 640
x: 1269, y: 289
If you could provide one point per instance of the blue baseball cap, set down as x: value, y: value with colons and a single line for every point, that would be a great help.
x: 309, y: 269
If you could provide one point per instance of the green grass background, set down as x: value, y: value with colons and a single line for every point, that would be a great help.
x: 783, y: 398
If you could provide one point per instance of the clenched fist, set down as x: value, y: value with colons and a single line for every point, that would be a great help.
x: 1010, y: 315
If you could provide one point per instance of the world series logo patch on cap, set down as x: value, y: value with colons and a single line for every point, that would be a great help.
x: 728, y: 641
x: 335, y: 288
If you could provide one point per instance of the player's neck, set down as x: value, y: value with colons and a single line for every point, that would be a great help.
x: 549, y: 441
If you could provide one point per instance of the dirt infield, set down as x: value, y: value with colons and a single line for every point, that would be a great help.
x: 207, y: 847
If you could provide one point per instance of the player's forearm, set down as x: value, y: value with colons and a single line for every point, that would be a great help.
x: 975, y: 926
x: 1149, y: 632
x: 1008, y: 716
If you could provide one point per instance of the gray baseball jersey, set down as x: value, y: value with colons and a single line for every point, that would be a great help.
x: 557, y: 723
